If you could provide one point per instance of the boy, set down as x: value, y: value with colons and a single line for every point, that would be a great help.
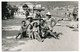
x: 22, y: 31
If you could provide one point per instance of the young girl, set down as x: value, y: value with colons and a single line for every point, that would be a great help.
x: 29, y: 31
x: 36, y: 31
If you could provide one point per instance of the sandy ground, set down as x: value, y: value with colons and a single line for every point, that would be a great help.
x: 67, y: 42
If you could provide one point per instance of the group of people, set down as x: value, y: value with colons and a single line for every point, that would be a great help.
x: 38, y: 27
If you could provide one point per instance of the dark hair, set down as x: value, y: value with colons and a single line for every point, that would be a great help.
x: 48, y: 15
x: 31, y: 19
x: 27, y: 13
x: 23, y: 21
x: 31, y: 26
x: 43, y: 20
x: 35, y: 23
x: 25, y: 5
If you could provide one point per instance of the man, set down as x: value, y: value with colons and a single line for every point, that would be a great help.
x: 50, y: 21
x: 49, y: 25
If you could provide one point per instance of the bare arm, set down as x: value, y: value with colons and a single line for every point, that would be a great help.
x: 53, y: 22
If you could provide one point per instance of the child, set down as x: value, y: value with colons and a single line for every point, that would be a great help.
x: 29, y: 26
x: 36, y: 31
x: 29, y: 31
x: 22, y: 32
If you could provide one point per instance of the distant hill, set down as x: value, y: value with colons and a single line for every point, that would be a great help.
x: 49, y: 4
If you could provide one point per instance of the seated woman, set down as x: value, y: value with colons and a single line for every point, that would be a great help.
x: 36, y: 31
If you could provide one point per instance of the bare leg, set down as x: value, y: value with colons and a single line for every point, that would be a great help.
x: 38, y: 37
x: 52, y: 34
x: 29, y: 35
x: 32, y: 35
x: 18, y: 35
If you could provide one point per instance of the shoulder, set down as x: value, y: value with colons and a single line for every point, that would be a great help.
x: 52, y: 18
x: 21, y: 26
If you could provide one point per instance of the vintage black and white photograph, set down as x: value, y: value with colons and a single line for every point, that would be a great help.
x: 40, y: 26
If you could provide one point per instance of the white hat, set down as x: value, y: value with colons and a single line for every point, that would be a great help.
x: 38, y: 6
x: 48, y: 13
x: 30, y: 16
